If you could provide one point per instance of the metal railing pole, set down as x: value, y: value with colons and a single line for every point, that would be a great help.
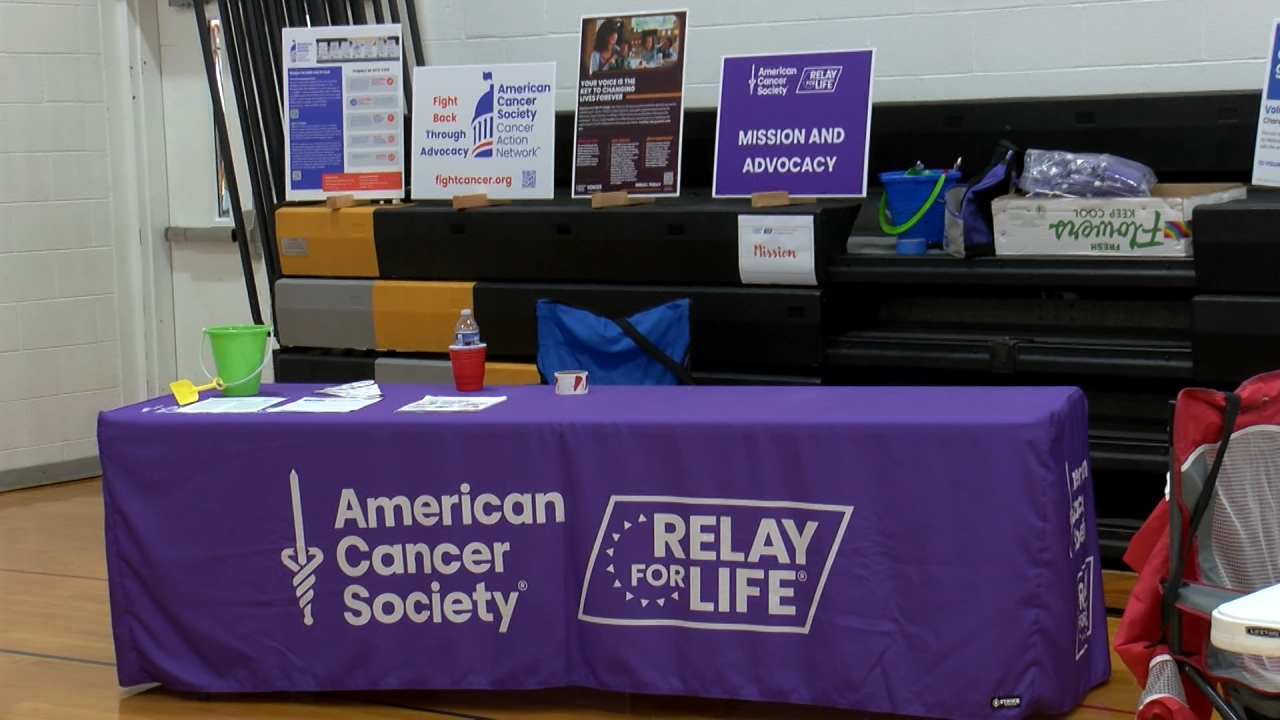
x: 229, y: 170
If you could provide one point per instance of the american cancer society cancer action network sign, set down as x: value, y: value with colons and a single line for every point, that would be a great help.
x: 799, y: 123
x: 484, y: 129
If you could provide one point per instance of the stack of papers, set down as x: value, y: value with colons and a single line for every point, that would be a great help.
x: 363, y: 390
x: 432, y: 403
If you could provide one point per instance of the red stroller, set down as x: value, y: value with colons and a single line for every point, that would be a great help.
x: 1208, y: 558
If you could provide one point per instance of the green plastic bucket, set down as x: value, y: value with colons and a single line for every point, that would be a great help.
x: 239, y: 355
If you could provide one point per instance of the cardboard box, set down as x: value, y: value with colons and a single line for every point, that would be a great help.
x: 1156, y: 226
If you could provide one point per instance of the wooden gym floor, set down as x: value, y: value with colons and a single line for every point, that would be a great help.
x: 57, y: 663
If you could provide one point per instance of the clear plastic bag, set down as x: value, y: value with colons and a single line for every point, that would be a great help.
x: 1066, y: 174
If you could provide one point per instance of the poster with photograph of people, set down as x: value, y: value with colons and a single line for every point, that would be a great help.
x: 630, y: 112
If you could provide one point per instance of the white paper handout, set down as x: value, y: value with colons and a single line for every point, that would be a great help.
x: 326, y: 405
x: 776, y: 250
x: 433, y: 403
x: 231, y: 405
x: 363, y: 389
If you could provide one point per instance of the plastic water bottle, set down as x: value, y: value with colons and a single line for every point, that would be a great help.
x: 466, y: 331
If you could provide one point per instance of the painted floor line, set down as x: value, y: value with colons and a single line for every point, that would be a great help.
x: 49, y: 574
x: 363, y: 701
x: 405, y: 706
x: 64, y: 658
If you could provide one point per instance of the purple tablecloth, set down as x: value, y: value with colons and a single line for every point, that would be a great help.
x: 924, y: 551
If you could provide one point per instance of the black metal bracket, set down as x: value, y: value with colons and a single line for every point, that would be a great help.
x: 1004, y: 355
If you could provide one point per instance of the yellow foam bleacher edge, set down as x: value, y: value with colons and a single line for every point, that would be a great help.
x: 505, y: 373
x: 313, y: 241
x: 414, y: 316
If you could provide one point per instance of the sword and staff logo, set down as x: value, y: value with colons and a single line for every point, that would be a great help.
x: 301, y: 560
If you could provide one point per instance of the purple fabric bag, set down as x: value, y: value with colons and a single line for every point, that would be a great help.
x: 998, y: 179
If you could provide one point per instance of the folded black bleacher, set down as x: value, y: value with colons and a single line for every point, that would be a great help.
x: 1236, y: 316
x: 1120, y: 329
x: 674, y: 241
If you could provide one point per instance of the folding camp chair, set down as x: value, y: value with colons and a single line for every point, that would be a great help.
x: 650, y: 347
x: 1224, y: 547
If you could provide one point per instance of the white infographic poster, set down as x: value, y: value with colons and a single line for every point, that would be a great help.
x: 344, y: 107
x: 484, y: 129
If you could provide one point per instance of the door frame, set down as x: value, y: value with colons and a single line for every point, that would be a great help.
x: 140, y: 195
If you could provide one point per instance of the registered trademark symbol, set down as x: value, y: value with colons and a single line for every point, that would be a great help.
x: 803, y: 576
x: 522, y: 585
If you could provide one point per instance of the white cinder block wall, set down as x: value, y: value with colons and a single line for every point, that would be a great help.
x: 926, y: 49
x: 59, y: 356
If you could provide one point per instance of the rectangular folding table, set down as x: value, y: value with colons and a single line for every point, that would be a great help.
x: 922, y: 551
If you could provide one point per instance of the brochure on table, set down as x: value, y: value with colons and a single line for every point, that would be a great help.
x: 484, y: 129
x: 344, y: 112
x: 442, y: 404
x: 630, y: 109
x: 797, y: 122
x: 1266, y: 150
x: 359, y: 390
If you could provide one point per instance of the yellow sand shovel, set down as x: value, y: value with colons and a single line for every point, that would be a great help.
x: 236, y: 349
x: 186, y: 392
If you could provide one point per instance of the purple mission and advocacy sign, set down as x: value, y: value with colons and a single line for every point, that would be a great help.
x: 798, y: 122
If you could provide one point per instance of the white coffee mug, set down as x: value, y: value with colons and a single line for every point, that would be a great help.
x: 571, y: 382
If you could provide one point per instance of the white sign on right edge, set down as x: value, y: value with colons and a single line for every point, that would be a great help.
x: 776, y: 250
x: 1266, y: 150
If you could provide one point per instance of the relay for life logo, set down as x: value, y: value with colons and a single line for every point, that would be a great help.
x: 710, y: 563
x: 819, y: 79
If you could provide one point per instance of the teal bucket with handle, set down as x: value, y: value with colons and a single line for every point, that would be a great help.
x: 916, y: 206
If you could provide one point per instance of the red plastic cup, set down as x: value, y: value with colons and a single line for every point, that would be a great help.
x: 468, y: 366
